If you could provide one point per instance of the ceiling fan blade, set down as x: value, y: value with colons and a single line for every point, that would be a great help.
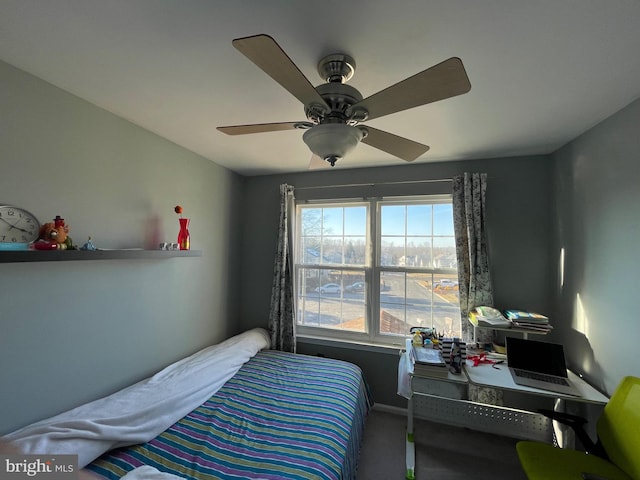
x: 267, y: 54
x: 444, y: 80
x: 259, y: 128
x: 398, y: 146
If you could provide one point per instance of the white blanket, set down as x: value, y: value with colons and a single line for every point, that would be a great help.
x: 142, y: 411
x: 149, y: 473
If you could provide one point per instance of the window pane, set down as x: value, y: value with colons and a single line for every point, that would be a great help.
x: 409, y: 306
x: 443, y: 219
x: 331, y: 250
x: 332, y: 221
x: 310, y: 250
x: 392, y: 250
x: 393, y: 220
x: 333, y: 299
x: 406, y: 248
x: 420, y: 300
x: 444, y: 251
x: 308, y: 279
x: 418, y: 252
x: 355, y: 251
x: 419, y: 219
x: 355, y: 221
x: 311, y: 221
x: 333, y: 235
x: 392, y: 287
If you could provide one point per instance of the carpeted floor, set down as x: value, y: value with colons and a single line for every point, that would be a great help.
x: 442, y: 452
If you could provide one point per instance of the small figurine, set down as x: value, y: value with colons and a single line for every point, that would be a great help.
x: 455, y: 365
x: 54, y: 236
x: 88, y: 245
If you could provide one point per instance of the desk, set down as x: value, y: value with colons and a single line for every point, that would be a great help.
x: 419, y: 385
x: 489, y: 418
x: 486, y: 376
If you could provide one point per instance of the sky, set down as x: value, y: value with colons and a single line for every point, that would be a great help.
x: 397, y: 220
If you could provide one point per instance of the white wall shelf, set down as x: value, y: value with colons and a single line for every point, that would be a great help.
x: 71, y: 255
x: 523, y: 330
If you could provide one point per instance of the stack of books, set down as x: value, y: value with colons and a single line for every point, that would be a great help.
x: 428, y: 362
x: 447, y: 344
x: 530, y: 321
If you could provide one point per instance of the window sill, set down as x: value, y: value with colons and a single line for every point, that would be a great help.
x: 351, y: 345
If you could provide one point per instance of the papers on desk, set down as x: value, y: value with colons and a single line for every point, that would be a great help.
x: 488, y: 317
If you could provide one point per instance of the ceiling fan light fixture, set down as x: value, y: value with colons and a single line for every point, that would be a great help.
x: 332, y: 141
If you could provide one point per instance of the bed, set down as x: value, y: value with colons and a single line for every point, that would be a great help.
x: 272, y: 415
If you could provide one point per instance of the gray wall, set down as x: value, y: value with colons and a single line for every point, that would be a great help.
x: 598, y: 225
x: 73, y: 331
x: 519, y: 224
x: 584, y: 198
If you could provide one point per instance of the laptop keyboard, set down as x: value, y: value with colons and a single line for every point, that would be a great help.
x: 540, y: 376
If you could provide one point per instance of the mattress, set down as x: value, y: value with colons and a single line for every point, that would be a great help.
x: 281, y: 416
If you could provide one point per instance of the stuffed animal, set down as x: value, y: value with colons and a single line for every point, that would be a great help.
x: 55, y: 235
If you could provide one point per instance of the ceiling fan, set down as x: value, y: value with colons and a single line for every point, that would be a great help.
x: 335, y: 110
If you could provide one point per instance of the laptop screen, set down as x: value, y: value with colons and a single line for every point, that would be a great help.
x: 541, y: 357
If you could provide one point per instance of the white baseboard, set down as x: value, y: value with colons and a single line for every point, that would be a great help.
x: 390, y: 409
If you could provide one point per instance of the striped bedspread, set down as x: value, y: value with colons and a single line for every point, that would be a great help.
x: 282, y: 416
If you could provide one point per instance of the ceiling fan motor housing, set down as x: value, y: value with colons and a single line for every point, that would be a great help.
x: 339, y: 97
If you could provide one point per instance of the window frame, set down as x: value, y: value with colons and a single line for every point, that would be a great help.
x: 372, y: 266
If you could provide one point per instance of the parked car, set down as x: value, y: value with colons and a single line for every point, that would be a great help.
x: 445, y: 283
x: 329, y: 288
x: 355, y: 287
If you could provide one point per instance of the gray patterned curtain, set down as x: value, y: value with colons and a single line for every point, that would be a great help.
x: 474, y: 276
x: 282, y: 321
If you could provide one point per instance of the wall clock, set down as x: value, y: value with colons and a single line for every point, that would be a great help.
x: 18, y: 227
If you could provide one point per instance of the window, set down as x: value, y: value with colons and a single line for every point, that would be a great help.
x: 370, y: 270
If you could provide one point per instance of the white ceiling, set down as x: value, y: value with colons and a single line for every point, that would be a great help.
x: 542, y: 71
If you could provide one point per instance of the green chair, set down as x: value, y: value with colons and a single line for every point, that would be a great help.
x: 618, y: 431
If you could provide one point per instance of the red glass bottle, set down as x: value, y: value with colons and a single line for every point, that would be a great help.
x: 184, y: 239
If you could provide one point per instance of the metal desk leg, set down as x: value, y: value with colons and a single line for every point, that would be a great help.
x: 565, y: 436
x: 410, y: 447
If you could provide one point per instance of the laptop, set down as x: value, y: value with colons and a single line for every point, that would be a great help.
x: 539, y: 365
